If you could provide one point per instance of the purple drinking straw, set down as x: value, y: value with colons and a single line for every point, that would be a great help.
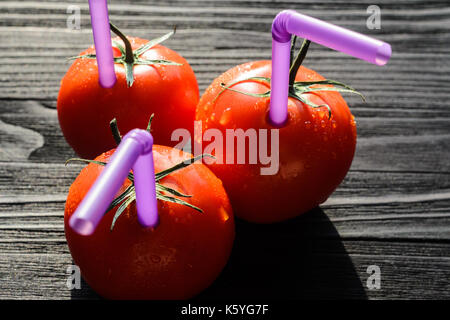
x: 102, y: 42
x: 135, y: 151
x: 289, y: 22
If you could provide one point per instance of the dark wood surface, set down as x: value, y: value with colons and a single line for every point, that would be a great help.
x: 392, y: 210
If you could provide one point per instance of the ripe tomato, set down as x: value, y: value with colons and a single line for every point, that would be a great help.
x: 315, y: 151
x: 85, y: 108
x: 175, y: 260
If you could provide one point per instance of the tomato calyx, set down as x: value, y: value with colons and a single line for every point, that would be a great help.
x: 130, y: 58
x: 297, y: 89
x: 163, y: 193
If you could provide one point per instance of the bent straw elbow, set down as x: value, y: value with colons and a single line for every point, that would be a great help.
x: 136, y: 144
x: 279, y: 29
x: 289, y: 22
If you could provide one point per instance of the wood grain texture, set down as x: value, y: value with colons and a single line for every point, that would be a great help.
x: 392, y: 210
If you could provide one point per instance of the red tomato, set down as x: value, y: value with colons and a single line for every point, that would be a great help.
x: 315, y: 151
x: 177, y: 259
x: 85, y: 108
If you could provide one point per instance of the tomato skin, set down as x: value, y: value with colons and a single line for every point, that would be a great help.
x: 177, y: 259
x: 315, y: 152
x: 85, y: 108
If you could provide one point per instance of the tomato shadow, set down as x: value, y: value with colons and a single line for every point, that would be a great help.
x: 84, y: 293
x: 303, y: 258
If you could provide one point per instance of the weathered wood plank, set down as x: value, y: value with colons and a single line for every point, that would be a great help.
x: 385, y: 143
x: 307, y: 264
x: 353, y: 218
x: 37, y: 276
x: 214, y: 53
x: 30, y: 119
x: 39, y: 179
x: 220, y: 25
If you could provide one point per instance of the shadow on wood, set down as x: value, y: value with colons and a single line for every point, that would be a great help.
x: 86, y: 293
x: 300, y: 258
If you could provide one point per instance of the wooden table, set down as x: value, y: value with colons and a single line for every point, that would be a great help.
x: 392, y: 210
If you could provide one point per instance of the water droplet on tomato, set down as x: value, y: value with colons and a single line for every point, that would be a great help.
x: 353, y: 121
x: 321, y: 114
x: 225, y: 118
x: 334, y: 124
x: 224, y: 214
